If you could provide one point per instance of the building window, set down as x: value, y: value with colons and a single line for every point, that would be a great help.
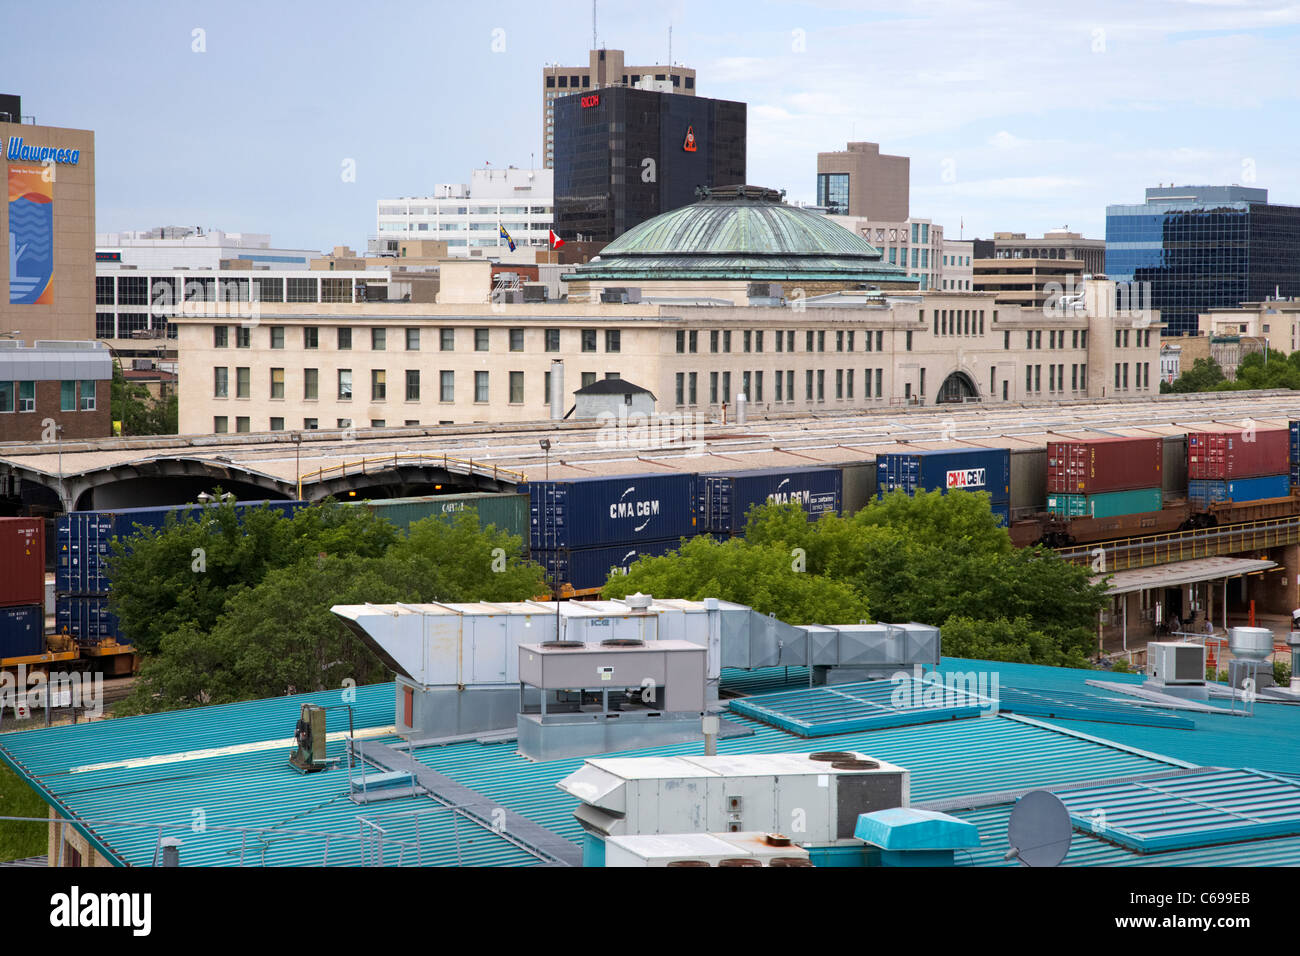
x: 713, y: 388
x: 747, y: 340
x: 244, y: 337
x: 378, y: 384
x: 613, y: 340
x: 277, y: 336
x: 516, y: 388
x: 713, y: 341
x: 220, y: 424
x: 243, y: 381
x: 808, y: 385
x: 588, y: 378
x: 480, y: 387
x: 221, y: 337
x: 446, y: 386
x: 311, y: 338
x: 693, y: 380
x: 726, y: 387
x: 220, y: 382
x: 378, y: 340
x: 277, y: 424
x: 412, y: 340
x: 481, y: 340
x: 6, y: 396
x: 839, y: 384
x: 300, y: 290
x: 310, y: 424
x: 726, y: 340
x: 277, y: 383
x: 345, y: 340
x: 681, y: 344
x: 695, y: 342
x: 87, y: 389
x: 242, y: 424
x: 552, y: 340
x: 516, y: 340
x: 104, y: 290
x: 447, y: 340
x: 345, y: 384
x: 378, y: 423
x: 909, y: 341
x: 833, y: 192
x: 821, y: 385
x: 589, y: 340
x: 779, y: 380
x: 681, y: 388
x: 310, y: 383
x: 412, y: 385
x: 821, y: 341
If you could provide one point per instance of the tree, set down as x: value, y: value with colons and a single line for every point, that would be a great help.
x: 767, y: 578
x: 138, y: 411
x: 1204, y: 375
x: 185, y: 572
x: 278, y: 635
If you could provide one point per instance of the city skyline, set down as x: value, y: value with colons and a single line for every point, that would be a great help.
x: 1014, y: 118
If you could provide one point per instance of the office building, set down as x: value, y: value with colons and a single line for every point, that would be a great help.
x: 605, y: 68
x: 193, y: 247
x: 47, y: 228
x: 623, y: 156
x: 470, y: 217
x: 55, y: 390
x: 1203, y: 248
x: 1053, y: 244
x: 862, y: 181
x: 1033, y: 283
x: 957, y: 273
x: 913, y: 245
x: 1274, y: 323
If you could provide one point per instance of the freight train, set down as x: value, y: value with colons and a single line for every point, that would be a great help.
x: 579, y: 530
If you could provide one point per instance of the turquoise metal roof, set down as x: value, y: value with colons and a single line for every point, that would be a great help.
x: 863, y: 705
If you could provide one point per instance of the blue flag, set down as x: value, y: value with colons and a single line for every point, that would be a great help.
x: 506, y: 236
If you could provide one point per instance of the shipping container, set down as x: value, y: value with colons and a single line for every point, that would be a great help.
x: 1215, y: 456
x: 976, y: 469
x: 22, y: 631
x: 725, y: 499
x: 506, y: 512
x: 85, y: 539
x: 1104, y: 464
x: 1201, y: 492
x: 591, y: 567
x: 22, y: 561
x: 1294, y: 431
x: 86, y: 619
x: 1107, y: 504
x: 596, y: 512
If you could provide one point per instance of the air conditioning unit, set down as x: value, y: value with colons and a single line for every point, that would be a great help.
x: 824, y: 792
x: 310, y: 737
x: 1173, y: 662
x: 704, y: 849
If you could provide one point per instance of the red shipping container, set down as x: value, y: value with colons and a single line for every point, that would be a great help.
x: 1221, y: 456
x: 22, y: 561
x: 1097, y: 465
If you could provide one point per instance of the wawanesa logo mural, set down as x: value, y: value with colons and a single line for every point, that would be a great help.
x: 31, y: 236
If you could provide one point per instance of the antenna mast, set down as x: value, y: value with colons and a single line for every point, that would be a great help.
x: 670, y: 46
x: 593, y: 24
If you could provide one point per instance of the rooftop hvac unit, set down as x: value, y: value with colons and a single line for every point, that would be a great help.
x: 310, y: 737
x: 1176, y: 663
x: 703, y: 849
x: 621, y: 294
x: 535, y: 292
x: 740, y: 793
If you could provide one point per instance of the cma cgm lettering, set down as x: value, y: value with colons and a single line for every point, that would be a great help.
x: 16, y: 149
x: 972, y: 479
x: 590, y: 512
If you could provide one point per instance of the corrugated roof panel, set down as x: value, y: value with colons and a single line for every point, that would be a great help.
x: 865, y: 705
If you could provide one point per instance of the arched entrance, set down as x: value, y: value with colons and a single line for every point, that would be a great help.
x: 957, y: 388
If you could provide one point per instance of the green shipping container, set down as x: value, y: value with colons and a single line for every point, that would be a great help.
x: 1109, y: 504
x: 507, y: 512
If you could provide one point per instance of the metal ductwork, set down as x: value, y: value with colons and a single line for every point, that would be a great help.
x: 457, y: 665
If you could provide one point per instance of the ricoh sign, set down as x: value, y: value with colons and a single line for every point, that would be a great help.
x: 967, y: 478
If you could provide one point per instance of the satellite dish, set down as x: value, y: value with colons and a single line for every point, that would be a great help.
x: 1039, y: 830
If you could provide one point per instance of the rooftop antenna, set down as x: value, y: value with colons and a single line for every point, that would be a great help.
x: 670, y: 46
x: 593, y: 24
x: 1039, y: 830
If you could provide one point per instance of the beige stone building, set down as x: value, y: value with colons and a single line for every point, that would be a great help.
x: 862, y: 181
x: 1034, y: 283
x: 47, y: 272
x: 345, y: 365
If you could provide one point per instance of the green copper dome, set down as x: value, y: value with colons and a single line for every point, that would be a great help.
x: 740, y: 232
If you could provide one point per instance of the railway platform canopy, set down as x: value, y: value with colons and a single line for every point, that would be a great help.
x: 485, y: 457
x: 1198, y: 571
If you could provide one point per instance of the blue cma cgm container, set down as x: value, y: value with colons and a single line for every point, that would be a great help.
x: 976, y: 469
x: 1201, y: 491
x: 596, y: 512
x: 85, y: 538
x: 726, y: 499
x: 1295, y: 442
x: 85, y: 618
x: 22, y: 631
x: 591, y: 567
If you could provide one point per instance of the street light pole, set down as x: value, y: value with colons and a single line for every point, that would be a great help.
x: 297, y: 463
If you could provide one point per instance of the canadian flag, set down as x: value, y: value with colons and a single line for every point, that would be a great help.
x: 556, y: 241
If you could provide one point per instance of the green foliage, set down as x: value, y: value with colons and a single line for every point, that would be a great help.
x: 20, y: 840
x: 1122, y: 667
x: 276, y: 634
x: 932, y: 558
x: 761, y: 576
x: 1279, y: 371
x: 1204, y: 375
x: 1282, y: 673
x: 139, y: 412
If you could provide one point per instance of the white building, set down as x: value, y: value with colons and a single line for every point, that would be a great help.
x: 956, y: 273
x: 182, y: 247
x: 470, y: 217
x: 914, y: 244
x: 1171, y: 362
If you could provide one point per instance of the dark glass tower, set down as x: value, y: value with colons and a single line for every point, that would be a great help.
x: 1204, y: 247
x: 624, y: 155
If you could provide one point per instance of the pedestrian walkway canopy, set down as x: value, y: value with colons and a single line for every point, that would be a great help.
x: 1181, y: 572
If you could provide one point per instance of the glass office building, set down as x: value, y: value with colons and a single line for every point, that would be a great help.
x: 1204, y: 247
x: 623, y: 156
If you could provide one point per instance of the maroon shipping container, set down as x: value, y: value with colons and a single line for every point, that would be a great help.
x: 1221, y: 456
x: 22, y: 561
x: 1096, y: 465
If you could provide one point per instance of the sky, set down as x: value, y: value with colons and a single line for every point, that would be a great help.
x: 1018, y: 116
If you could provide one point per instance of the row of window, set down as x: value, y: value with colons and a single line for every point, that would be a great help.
x: 169, y: 290
x: 590, y: 338
x: 959, y: 321
x: 489, y: 210
x: 1056, y: 378
x: 583, y: 80
x: 221, y: 423
x: 379, y: 384
x: 720, y: 340
x: 1056, y: 338
x: 73, y: 396
x: 1141, y: 374
x: 751, y: 385
x: 1141, y: 338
